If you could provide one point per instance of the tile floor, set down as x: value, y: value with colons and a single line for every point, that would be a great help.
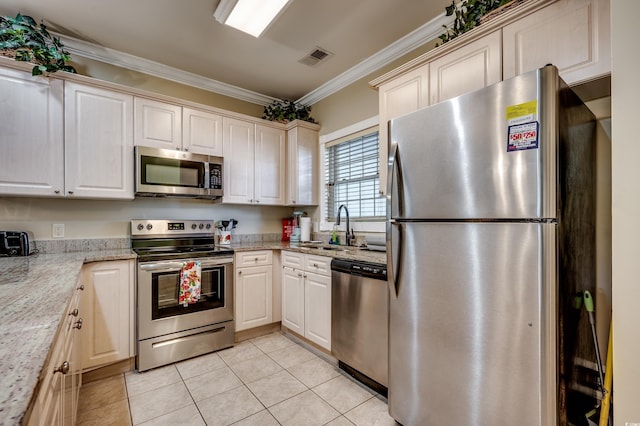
x: 269, y: 380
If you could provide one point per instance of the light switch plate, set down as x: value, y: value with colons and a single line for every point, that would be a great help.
x: 58, y: 230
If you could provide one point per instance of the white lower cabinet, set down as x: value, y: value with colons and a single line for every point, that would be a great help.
x: 306, y: 296
x: 253, y: 289
x: 108, y: 302
x: 57, y: 399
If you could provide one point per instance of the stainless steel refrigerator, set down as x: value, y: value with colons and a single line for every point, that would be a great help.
x: 490, y: 234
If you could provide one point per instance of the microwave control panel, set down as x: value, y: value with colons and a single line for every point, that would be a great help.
x: 215, y: 176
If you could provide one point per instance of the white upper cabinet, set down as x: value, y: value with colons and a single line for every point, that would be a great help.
x: 573, y: 35
x: 158, y: 124
x: 269, y: 165
x: 471, y: 67
x: 98, y: 142
x: 201, y: 132
x: 404, y: 94
x: 32, y: 138
x: 238, y: 140
x: 253, y: 163
x: 302, y: 164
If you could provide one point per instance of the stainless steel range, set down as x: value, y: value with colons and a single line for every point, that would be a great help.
x: 169, y: 329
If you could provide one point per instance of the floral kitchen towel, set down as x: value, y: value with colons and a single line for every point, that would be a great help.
x: 190, y: 282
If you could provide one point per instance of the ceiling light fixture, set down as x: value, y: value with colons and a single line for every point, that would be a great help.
x: 250, y: 16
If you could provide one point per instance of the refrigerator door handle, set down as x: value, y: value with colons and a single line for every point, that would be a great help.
x: 392, y: 243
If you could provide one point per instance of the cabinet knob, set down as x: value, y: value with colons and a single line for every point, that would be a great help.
x: 64, y: 368
x: 315, y: 265
x: 257, y: 201
x: 299, y: 274
x: 78, y: 324
x: 239, y: 272
x: 74, y: 313
x: 256, y: 259
x: 293, y: 201
x: 70, y: 192
x: 186, y: 149
x: 251, y: 201
x: 57, y: 191
x: 177, y: 148
x: 81, y: 288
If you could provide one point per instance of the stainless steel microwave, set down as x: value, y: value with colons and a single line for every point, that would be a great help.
x: 168, y: 173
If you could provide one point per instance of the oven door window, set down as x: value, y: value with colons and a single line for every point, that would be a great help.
x: 172, y: 172
x: 166, y: 286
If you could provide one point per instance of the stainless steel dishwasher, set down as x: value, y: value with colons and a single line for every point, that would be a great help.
x: 359, y: 320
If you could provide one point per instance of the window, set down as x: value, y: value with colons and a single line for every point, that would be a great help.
x: 351, y: 178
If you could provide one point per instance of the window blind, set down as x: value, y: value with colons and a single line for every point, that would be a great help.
x: 351, y: 178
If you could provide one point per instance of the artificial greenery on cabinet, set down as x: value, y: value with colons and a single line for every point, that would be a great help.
x: 23, y: 39
x: 284, y: 111
x: 468, y: 15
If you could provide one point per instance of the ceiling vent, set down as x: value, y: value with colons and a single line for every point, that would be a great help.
x: 316, y: 56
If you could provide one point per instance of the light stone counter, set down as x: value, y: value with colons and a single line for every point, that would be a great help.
x: 35, y: 292
x: 338, y: 252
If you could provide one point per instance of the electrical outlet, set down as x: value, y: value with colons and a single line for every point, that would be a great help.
x: 58, y: 230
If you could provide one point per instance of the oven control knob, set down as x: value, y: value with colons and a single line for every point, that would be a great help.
x: 140, y: 227
x: 208, y: 226
x: 201, y: 226
x: 149, y: 226
x: 193, y: 226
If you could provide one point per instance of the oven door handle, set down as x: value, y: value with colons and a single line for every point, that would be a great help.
x: 176, y: 266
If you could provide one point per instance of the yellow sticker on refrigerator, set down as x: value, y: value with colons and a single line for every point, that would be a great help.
x: 522, y: 126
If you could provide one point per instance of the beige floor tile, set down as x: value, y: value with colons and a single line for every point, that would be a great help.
x: 340, y: 421
x: 213, y: 383
x: 199, y: 365
x: 138, y: 383
x: 262, y: 418
x: 102, y: 392
x: 157, y: 402
x: 305, y: 409
x: 276, y: 388
x: 292, y: 355
x: 255, y: 368
x: 229, y: 407
x: 374, y: 412
x: 314, y: 372
x: 239, y: 353
x: 343, y: 393
x: 114, y: 414
x: 272, y: 342
x: 186, y: 416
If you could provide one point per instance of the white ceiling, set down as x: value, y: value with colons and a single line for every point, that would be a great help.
x: 184, y: 36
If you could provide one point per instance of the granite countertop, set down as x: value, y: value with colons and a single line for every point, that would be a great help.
x: 35, y: 292
x: 339, y: 252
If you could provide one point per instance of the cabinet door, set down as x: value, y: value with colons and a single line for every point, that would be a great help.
x: 302, y: 165
x: 32, y: 160
x: 473, y: 66
x: 317, y: 310
x: 253, y: 300
x: 405, y: 94
x: 108, y: 313
x: 573, y: 35
x: 269, y: 165
x: 293, y: 300
x: 238, y: 145
x: 202, y: 132
x: 98, y: 142
x: 158, y: 124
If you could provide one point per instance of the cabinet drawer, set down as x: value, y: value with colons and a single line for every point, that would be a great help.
x: 318, y: 264
x: 254, y: 258
x: 292, y: 259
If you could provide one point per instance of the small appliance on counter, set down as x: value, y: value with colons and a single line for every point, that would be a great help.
x: 16, y: 243
x: 296, y: 234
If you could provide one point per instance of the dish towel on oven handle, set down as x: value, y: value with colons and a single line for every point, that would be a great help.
x: 190, y: 282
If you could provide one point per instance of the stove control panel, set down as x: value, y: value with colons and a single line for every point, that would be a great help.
x: 155, y: 228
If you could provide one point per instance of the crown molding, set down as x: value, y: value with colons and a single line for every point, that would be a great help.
x: 135, y: 63
x: 395, y: 50
x: 406, y: 44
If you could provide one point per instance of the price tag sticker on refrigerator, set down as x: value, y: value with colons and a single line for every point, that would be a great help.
x: 522, y: 136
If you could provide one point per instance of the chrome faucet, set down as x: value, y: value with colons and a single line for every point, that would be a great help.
x: 348, y: 235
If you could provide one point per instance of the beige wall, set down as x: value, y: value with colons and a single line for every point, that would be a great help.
x: 625, y: 90
x: 114, y: 74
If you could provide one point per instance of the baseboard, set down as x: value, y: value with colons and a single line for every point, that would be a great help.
x: 109, y: 370
x: 252, y: 333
